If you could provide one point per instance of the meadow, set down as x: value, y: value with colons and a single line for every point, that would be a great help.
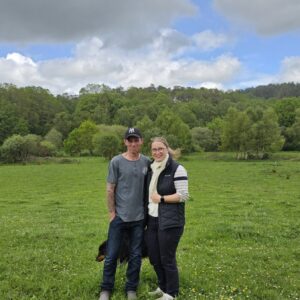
x: 241, y: 238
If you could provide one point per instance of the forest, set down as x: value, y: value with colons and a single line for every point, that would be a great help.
x: 252, y: 123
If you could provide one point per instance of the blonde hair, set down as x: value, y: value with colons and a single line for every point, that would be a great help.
x: 174, y: 153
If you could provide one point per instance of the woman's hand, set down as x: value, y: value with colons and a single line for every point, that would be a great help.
x: 155, y: 198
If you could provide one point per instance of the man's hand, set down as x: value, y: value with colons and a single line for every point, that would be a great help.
x: 112, y: 215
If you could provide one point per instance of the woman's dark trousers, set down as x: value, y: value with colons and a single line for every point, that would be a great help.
x: 162, y: 245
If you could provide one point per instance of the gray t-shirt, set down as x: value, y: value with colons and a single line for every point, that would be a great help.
x: 129, y: 177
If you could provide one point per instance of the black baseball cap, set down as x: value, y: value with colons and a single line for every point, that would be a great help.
x: 135, y: 132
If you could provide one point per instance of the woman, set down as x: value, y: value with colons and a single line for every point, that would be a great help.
x: 167, y: 192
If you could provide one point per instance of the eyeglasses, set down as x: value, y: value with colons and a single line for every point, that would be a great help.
x: 158, y: 149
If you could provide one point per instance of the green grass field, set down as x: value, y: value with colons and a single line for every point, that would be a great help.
x: 241, y: 239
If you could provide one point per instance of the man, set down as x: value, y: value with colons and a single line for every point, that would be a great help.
x: 125, y: 200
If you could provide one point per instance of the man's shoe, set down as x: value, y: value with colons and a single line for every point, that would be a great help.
x: 131, y: 295
x: 104, y: 295
x: 158, y: 293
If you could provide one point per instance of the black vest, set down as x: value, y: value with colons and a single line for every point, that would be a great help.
x: 169, y: 214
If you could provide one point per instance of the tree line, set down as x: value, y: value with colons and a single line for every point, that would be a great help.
x: 252, y: 122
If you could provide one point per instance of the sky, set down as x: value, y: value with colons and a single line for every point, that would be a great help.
x: 225, y: 44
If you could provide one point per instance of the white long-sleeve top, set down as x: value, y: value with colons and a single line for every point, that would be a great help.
x: 181, y: 186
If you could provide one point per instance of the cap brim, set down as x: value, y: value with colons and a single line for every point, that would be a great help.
x: 133, y: 135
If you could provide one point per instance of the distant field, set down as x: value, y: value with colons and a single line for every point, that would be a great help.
x: 241, y: 239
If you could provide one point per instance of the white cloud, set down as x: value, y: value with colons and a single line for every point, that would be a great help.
x: 127, y: 23
x: 211, y: 85
x: 171, y: 41
x: 221, y: 70
x: 130, y: 43
x: 94, y: 63
x: 290, y: 69
x: 288, y: 72
x: 208, y: 40
x: 17, y: 69
x: 266, y: 17
x: 19, y: 59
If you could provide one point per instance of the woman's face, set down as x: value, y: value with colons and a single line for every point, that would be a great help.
x: 159, y: 151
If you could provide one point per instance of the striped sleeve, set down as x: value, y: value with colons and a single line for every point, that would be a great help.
x: 181, y: 183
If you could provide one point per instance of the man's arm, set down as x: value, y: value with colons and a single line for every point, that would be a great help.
x: 110, y: 195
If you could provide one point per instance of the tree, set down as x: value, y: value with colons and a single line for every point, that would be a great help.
x: 37, y: 106
x: 296, y: 130
x: 286, y: 111
x: 72, y: 144
x: 93, y: 88
x: 124, y: 116
x: 106, y: 145
x: 63, y: 123
x: 116, y: 130
x: 146, y: 125
x: 256, y: 135
x: 10, y: 123
x: 216, y: 126
x: 235, y: 132
x: 204, y: 111
x: 81, y: 138
x: 203, y: 139
x: 98, y: 107
x: 86, y: 131
x: 292, y: 134
x: 55, y: 138
x: 264, y: 135
x: 175, y: 130
x: 187, y: 116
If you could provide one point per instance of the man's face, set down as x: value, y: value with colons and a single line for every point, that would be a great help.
x: 133, y: 144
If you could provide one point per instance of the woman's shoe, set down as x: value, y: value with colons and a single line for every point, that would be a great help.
x: 131, y: 295
x: 166, y: 297
x: 158, y: 293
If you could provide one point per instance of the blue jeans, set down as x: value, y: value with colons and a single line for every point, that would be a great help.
x: 135, y: 231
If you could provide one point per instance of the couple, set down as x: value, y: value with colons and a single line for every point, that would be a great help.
x: 131, y: 176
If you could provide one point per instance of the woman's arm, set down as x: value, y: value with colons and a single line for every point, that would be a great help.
x: 181, y: 186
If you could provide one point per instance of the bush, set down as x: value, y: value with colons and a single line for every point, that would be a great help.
x: 15, y: 149
x: 106, y: 145
x: 54, y: 137
x: 47, y: 149
x: 19, y: 148
x: 33, y: 143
